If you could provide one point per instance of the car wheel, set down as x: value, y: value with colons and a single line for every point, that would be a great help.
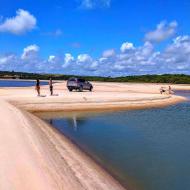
x: 90, y: 89
x: 70, y: 89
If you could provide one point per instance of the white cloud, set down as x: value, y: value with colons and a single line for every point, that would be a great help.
x: 19, y: 24
x: 102, y: 59
x: 94, y: 65
x: 84, y: 58
x: 30, y: 52
x: 147, y: 49
x: 163, y: 31
x: 51, y: 58
x: 68, y: 58
x: 108, y: 53
x: 126, y: 46
x: 177, y: 55
x: 91, y: 4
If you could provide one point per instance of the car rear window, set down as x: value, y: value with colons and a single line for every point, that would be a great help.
x: 72, y: 80
x: 81, y: 80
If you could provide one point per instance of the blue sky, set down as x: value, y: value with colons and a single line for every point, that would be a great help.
x: 96, y: 37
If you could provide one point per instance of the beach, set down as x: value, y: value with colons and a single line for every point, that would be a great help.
x: 105, y: 96
x: 36, y: 156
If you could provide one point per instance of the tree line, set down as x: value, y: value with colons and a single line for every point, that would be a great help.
x: 165, y: 78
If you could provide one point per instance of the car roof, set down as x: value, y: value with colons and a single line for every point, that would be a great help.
x: 72, y: 78
x: 76, y: 78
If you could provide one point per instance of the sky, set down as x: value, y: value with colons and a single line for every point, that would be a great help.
x: 95, y: 37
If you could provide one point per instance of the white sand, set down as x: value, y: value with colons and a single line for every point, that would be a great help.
x: 104, y: 96
x: 35, y: 156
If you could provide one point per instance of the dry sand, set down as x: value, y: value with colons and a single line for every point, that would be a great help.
x: 35, y: 156
x: 104, y: 96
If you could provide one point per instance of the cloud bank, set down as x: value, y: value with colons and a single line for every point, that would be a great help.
x: 175, y: 58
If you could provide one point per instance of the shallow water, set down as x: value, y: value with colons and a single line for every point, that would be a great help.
x: 144, y: 149
x: 18, y: 83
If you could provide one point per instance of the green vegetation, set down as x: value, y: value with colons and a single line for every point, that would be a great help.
x: 166, y: 78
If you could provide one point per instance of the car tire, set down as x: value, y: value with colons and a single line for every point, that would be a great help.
x: 90, y: 89
x: 70, y: 89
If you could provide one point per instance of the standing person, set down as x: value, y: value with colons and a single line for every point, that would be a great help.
x: 38, y: 86
x: 170, y: 90
x: 51, y: 86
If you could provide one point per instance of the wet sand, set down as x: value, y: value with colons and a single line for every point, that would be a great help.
x: 33, y: 155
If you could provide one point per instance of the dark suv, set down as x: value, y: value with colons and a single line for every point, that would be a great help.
x: 78, y: 84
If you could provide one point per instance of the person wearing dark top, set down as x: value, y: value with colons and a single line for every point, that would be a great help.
x: 51, y: 86
x: 38, y: 86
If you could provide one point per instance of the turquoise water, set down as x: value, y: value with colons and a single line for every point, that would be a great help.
x: 18, y: 83
x: 144, y: 149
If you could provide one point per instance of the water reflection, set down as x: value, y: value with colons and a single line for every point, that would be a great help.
x: 73, y: 122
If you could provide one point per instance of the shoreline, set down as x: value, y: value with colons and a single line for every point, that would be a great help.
x: 49, y: 159
x: 45, y: 159
x: 117, y: 106
x: 85, y: 104
x: 92, y: 159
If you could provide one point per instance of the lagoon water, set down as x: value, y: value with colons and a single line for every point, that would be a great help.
x: 144, y: 149
x: 18, y: 83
